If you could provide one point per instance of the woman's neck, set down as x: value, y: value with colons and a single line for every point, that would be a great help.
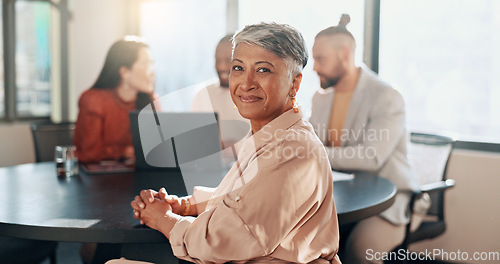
x: 125, y: 93
x: 259, y: 124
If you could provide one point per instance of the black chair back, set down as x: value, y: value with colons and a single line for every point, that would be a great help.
x: 429, y: 155
x: 47, y: 135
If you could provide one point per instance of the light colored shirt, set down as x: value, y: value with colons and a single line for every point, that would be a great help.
x: 274, y: 205
x: 340, y: 106
x: 215, y: 98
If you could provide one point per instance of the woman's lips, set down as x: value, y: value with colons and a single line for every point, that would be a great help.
x: 249, y: 98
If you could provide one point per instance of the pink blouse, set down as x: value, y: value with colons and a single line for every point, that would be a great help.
x: 274, y: 205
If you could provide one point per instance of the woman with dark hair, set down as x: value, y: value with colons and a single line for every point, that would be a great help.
x: 126, y: 83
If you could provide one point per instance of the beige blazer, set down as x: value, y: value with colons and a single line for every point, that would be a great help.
x: 274, y: 205
x: 373, y: 138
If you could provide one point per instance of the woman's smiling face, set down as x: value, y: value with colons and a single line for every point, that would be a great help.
x: 260, y: 84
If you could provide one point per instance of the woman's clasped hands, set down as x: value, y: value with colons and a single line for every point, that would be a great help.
x: 154, y: 209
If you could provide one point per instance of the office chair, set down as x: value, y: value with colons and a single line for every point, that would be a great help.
x: 429, y: 156
x: 47, y: 135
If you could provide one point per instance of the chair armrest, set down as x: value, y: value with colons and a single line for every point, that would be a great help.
x: 426, y: 188
x: 437, y: 186
x: 431, y: 187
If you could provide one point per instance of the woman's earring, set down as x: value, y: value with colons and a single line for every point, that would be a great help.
x: 295, y: 105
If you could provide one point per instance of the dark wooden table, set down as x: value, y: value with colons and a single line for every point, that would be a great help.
x: 364, y: 196
x: 36, y: 204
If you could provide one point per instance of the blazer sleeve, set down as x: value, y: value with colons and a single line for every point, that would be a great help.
x: 253, y: 220
x: 384, y: 129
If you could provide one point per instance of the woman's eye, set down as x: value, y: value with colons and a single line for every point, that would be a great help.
x: 237, y: 68
x: 263, y: 70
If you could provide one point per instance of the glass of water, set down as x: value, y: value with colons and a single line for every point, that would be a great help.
x: 66, y: 161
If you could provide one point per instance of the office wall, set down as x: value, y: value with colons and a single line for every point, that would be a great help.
x: 94, y: 26
x: 472, y: 206
x: 16, y: 144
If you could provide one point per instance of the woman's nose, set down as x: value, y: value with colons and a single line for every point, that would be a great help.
x: 248, y: 82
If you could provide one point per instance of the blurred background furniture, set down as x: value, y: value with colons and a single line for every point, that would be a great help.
x: 47, y: 135
x: 429, y: 156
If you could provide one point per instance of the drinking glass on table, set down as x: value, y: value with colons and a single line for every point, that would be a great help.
x: 66, y: 161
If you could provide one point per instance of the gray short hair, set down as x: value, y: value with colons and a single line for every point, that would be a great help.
x: 280, y: 39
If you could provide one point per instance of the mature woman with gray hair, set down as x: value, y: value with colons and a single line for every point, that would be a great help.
x: 276, y: 203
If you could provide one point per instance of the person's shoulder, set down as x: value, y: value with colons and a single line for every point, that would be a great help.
x: 299, y: 146
x: 214, y: 87
x: 203, y: 89
x: 94, y: 93
x: 205, y: 85
x: 323, y: 92
x: 321, y: 98
x: 300, y: 137
x: 373, y: 79
x: 379, y: 87
x: 93, y: 99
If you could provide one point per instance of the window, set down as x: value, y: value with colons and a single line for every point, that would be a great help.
x: 183, y: 36
x: 445, y: 61
x: 184, y: 52
x: 309, y: 17
x: 25, y: 83
x: 32, y: 59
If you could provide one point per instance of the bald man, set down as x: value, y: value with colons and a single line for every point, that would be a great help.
x: 217, y: 98
x: 361, y: 121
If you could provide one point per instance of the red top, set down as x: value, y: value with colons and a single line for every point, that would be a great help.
x: 102, y: 129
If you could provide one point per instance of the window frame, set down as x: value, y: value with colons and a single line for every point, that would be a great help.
x: 9, y: 61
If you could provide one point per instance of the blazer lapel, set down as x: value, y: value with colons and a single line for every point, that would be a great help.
x: 356, y: 103
x: 323, y: 105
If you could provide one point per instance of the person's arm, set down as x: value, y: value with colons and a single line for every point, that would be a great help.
x: 383, y: 131
x: 89, y: 131
x: 200, y: 198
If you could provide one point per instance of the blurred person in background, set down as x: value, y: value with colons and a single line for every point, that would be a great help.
x: 361, y: 121
x: 216, y: 97
x: 126, y: 83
